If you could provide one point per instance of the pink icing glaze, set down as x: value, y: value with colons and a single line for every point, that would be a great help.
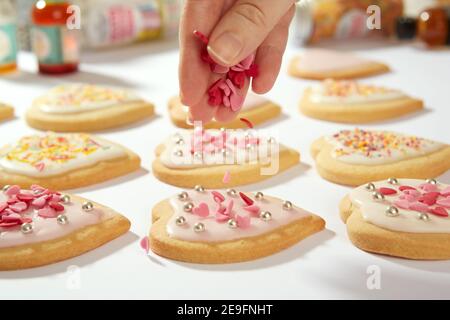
x: 216, y: 229
x: 45, y: 226
x: 317, y: 60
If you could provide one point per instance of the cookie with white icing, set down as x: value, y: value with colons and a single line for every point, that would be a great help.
x: 83, y: 107
x: 320, y: 64
x: 203, y: 226
x: 351, y: 102
x: 355, y: 157
x: 6, y: 112
x: 406, y: 218
x: 256, y: 109
x: 64, y: 161
x: 39, y: 226
x: 192, y: 157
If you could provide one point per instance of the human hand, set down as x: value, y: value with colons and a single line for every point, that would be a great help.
x: 236, y: 29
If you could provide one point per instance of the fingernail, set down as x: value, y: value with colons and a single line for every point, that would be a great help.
x: 226, y: 48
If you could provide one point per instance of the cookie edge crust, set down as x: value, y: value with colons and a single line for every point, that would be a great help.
x: 90, y: 121
x: 240, y: 250
x: 366, y: 70
x: 359, y: 113
x: 371, y: 238
x: 356, y: 175
x: 211, y: 177
x: 63, y: 248
x: 6, y: 112
x: 82, y: 177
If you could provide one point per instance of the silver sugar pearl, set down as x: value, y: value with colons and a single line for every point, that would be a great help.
x: 232, y: 224
x: 188, y: 207
x: 432, y: 181
x: 179, y: 141
x: 62, y: 219
x: 259, y: 195
x: 224, y: 152
x: 271, y: 140
x: 199, y: 188
x: 178, y: 153
x: 265, y: 215
x: 199, y: 227
x: 87, y: 206
x: 377, y: 196
x: 222, y: 129
x: 198, y: 155
x: 6, y: 187
x: 370, y: 186
x: 392, y: 211
x: 287, y: 205
x: 393, y: 180
x: 65, y: 198
x: 249, y: 147
x: 26, y: 228
x: 231, y: 192
x: 423, y: 216
x: 180, y: 221
x: 183, y: 196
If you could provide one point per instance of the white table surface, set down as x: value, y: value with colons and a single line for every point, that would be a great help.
x: 325, y: 265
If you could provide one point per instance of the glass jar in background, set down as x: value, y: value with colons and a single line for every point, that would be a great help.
x: 8, y: 37
x: 56, y: 46
x: 319, y: 20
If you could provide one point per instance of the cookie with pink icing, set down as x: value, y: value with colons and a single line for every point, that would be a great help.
x: 353, y: 102
x: 320, y: 64
x: 39, y: 226
x: 83, y: 107
x: 218, y: 226
x: 256, y: 109
x: 64, y: 161
x: 406, y: 218
x: 200, y: 156
x: 6, y: 112
x: 354, y: 157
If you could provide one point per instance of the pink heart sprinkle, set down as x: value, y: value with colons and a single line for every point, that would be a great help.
x: 243, y: 222
x: 429, y: 187
x: 403, y: 204
x: 202, y: 210
x: 253, y: 209
x: 220, y: 208
x: 444, y: 202
x: 408, y: 198
x: 418, y: 206
x: 145, y: 244
x: 47, y: 213
x: 229, y: 209
x: 217, y: 196
x: 439, y: 211
x: 13, y: 190
x: 18, y: 207
x: 411, y: 192
x: 387, y: 191
x: 39, y: 202
x: 56, y: 206
x: 222, y: 217
x: 3, y: 206
x: 446, y: 191
x: 12, y: 217
x: 226, y: 177
x: 403, y: 188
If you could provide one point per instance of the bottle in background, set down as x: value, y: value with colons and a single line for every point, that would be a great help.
x: 55, y: 45
x: 8, y: 37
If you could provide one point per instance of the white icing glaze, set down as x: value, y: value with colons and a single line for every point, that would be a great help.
x: 220, y: 231
x: 262, y: 152
x: 320, y: 60
x: 45, y: 229
x: 252, y: 101
x: 31, y: 158
x: 349, y: 92
x: 79, y: 97
x: 375, y: 211
x: 366, y: 147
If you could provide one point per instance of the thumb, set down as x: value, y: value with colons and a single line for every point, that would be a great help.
x: 243, y: 28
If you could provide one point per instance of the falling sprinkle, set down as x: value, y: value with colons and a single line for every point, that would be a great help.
x: 226, y: 177
x: 144, y: 243
x: 247, y: 122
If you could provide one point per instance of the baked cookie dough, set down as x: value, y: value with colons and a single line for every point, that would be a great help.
x: 64, y: 161
x: 256, y: 109
x: 86, y: 108
x: 192, y: 157
x: 6, y: 112
x: 352, y: 102
x: 211, y: 227
x: 355, y: 157
x: 320, y: 64
x: 405, y: 218
x: 39, y: 226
